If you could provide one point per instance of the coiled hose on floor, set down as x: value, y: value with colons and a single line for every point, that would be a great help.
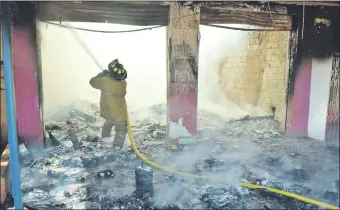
x: 215, y: 179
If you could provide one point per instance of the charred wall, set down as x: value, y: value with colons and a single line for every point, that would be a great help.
x: 311, y: 39
x: 321, y: 32
x: 24, y: 15
x: 26, y: 71
x: 315, y: 34
x: 318, y: 29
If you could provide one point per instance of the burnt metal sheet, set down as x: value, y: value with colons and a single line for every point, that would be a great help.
x: 132, y: 13
x: 311, y: 3
x: 156, y: 13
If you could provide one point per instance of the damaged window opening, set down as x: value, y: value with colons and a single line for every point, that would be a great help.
x: 221, y: 117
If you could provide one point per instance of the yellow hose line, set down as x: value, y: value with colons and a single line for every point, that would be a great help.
x: 218, y: 180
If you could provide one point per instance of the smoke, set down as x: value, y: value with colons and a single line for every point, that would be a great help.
x: 175, y: 192
x: 67, y: 68
x: 215, y: 45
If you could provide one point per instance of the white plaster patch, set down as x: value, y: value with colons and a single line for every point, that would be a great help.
x: 319, y: 92
x: 178, y: 130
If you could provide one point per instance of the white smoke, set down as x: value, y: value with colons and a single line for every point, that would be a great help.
x: 67, y: 68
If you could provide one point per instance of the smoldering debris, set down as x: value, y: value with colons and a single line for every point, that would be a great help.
x: 105, y: 174
x: 227, y: 197
x: 91, y: 175
x: 258, y: 127
x: 126, y: 202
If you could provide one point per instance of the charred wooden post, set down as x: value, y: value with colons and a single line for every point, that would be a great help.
x: 182, y: 57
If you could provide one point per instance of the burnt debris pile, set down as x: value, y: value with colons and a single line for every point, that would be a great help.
x: 234, y: 197
x: 228, y: 197
x: 82, y: 171
x: 127, y: 202
x: 258, y: 127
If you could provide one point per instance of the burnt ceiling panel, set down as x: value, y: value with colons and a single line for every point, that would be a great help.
x: 131, y: 13
x: 257, y: 13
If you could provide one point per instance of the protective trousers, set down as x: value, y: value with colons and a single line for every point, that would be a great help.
x: 120, y: 129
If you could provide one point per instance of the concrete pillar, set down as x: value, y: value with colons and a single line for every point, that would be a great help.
x: 26, y: 70
x: 182, y: 57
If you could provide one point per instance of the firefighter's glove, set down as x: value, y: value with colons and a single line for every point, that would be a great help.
x: 106, y: 72
x: 103, y: 74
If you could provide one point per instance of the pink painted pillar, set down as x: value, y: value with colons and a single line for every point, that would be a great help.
x: 183, y: 41
x: 25, y: 67
x: 300, y: 101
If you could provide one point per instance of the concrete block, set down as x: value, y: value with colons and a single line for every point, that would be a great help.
x: 278, y: 51
x: 275, y: 38
x: 275, y: 45
x: 282, y: 44
x: 281, y: 37
x: 277, y: 64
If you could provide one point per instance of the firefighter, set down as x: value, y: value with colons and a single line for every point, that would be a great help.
x: 113, y: 109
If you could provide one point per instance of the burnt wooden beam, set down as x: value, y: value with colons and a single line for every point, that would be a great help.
x: 310, y: 3
x: 252, y: 13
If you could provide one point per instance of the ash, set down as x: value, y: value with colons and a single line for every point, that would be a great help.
x: 92, y: 176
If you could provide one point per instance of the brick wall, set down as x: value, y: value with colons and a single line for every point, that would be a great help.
x: 257, y: 75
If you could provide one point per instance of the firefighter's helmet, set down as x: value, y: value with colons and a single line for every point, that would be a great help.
x: 117, y: 70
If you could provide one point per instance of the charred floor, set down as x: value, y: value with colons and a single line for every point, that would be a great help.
x: 292, y: 74
x: 91, y: 175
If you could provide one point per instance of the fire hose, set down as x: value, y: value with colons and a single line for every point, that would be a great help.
x: 218, y: 180
x: 209, y: 178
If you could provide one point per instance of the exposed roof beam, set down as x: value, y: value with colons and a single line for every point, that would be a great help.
x: 252, y: 13
x: 311, y: 3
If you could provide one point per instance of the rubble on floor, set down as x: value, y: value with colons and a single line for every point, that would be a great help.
x: 92, y: 175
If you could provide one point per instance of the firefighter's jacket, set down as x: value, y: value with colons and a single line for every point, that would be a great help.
x: 112, y: 98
